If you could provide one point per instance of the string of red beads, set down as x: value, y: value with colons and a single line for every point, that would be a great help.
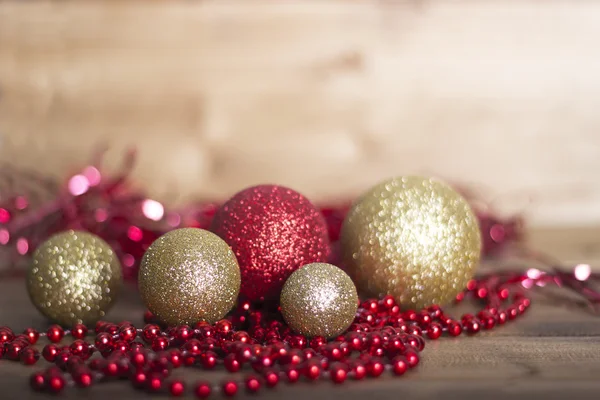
x: 382, y: 339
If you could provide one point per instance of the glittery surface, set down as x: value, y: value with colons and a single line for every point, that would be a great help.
x: 189, y: 275
x: 414, y: 238
x: 74, y: 277
x: 319, y: 300
x: 273, y: 231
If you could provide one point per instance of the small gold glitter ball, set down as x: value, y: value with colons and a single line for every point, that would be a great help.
x: 189, y: 275
x: 414, y: 238
x: 319, y: 300
x: 74, y: 277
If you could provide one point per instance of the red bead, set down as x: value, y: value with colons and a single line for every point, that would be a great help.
x: 79, y: 348
x: 13, y: 350
x: 434, y: 331
x: 37, y: 381
x: 193, y: 347
x: 83, y: 379
x: 139, y: 378
x: 154, y: 383
x: 223, y: 327
x: 512, y: 313
x: 230, y: 388
x: 424, y: 318
x: 111, y: 329
x: 399, y: 365
x: 252, y: 384
x: 241, y: 336
x: 176, y: 388
x: 100, y: 326
x: 111, y: 369
x: 412, y: 358
x: 488, y: 322
x: 262, y: 362
x: 410, y: 315
x: 292, y: 374
x: 103, y: 341
x: 313, y: 370
x: 50, y: 352
x: 271, y: 378
x: 502, y: 317
x: 62, y: 358
x: 298, y: 342
x: 371, y: 305
x: 202, y: 390
x: 128, y: 333
x: 136, y: 347
x: 79, y: 331
x: 338, y: 373
x: 359, y: 371
x: 231, y: 363
x: 29, y: 356
x: 388, y: 302
x: 354, y: 340
x: 32, y: 335
x: 121, y: 346
x: 472, y: 326
x: 55, y: 333
x: 435, y: 311
x: 160, y: 343
x: 395, y: 345
x: 209, y: 360
x: 454, y: 328
x: 333, y: 352
x: 138, y: 359
x: 55, y: 383
x: 6, y: 335
x: 375, y: 368
x: 414, y: 330
x: 150, y: 332
x: 244, y: 353
x: 175, y: 358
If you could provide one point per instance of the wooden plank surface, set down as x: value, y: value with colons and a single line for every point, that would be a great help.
x: 553, y: 352
x: 326, y: 96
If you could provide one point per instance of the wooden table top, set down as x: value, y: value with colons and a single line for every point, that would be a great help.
x: 553, y: 352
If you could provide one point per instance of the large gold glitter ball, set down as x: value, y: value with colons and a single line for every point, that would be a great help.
x: 412, y: 237
x: 319, y: 300
x: 74, y: 277
x: 189, y: 275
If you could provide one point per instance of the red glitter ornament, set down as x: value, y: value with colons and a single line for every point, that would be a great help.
x: 273, y: 231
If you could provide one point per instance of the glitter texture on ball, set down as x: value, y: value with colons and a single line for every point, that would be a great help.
x: 273, y: 231
x: 319, y: 300
x: 412, y: 237
x: 74, y: 277
x: 189, y: 275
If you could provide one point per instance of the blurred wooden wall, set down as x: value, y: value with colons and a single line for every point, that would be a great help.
x: 325, y: 96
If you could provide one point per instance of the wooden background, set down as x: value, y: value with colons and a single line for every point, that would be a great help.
x: 325, y: 96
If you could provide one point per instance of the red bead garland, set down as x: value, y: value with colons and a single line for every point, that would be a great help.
x: 381, y: 340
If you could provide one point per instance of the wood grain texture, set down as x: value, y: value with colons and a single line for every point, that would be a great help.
x: 325, y: 96
x: 552, y: 353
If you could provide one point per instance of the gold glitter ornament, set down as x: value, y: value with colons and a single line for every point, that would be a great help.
x: 319, y: 299
x: 189, y: 275
x: 74, y: 277
x: 414, y: 238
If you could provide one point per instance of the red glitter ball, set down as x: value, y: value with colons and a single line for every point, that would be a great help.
x: 273, y: 231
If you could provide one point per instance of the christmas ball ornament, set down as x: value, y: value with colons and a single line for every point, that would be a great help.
x: 189, y: 275
x: 273, y: 231
x: 414, y: 238
x: 74, y: 277
x: 319, y: 300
